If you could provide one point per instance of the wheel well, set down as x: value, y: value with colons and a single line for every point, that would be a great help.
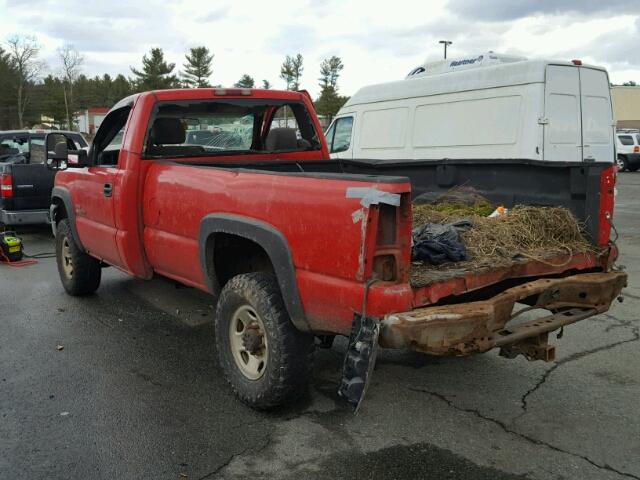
x: 61, y: 210
x: 231, y: 255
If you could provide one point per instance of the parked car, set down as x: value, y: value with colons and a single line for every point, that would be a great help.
x: 294, y: 245
x: 25, y: 180
x: 628, y: 149
x: 486, y: 107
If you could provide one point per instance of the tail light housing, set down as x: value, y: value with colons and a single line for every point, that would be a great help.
x: 392, y: 249
x: 607, y: 200
x: 636, y: 149
x: 6, y: 186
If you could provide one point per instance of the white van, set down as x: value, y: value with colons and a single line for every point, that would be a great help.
x: 486, y: 107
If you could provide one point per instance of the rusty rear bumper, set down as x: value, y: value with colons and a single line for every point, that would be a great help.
x: 465, y: 328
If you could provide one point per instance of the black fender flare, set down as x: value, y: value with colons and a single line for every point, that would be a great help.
x: 63, y: 195
x: 271, y: 240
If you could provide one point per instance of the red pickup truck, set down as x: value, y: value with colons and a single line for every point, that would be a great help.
x: 232, y: 191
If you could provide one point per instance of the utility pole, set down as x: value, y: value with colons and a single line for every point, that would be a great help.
x: 446, y: 43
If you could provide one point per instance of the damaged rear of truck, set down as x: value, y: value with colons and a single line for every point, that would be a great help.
x: 460, y: 312
x: 208, y: 188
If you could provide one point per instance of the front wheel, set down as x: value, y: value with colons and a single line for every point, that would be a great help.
x: 622, y: 163
x: 80, y: 273
x: 265, y: 358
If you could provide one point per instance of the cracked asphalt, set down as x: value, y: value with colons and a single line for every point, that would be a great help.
x: 135, y: 393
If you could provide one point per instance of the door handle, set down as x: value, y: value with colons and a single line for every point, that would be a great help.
x: 107, y: 190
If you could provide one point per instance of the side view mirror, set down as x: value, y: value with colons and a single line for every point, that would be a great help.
x: 58, y: 159
x: 62, y: 158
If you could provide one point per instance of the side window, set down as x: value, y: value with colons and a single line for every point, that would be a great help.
x: 36, y: 150
x: 291, y: 129
x: 108, y: 141
x: 625, y: 139
x: 328, y: 135
x: 341, y: 140
x: 55, y: 138
x: 285, y: 118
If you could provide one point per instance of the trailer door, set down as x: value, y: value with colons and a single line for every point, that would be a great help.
x: 598, y: 127
x: 562, y: 135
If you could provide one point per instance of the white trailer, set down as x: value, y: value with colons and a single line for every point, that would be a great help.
x: 485, y: 107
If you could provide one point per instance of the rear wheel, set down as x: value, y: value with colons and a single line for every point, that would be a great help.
x: 622, y: 163
x: 265, y: 358
x: 80, y: 273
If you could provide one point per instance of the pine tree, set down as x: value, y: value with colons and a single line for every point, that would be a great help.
x: 266, y: 84
x: 291, y: 71
x: 245, y: 81
x: 155, y: 73
x: 197, y: 68
x: 330, y: 69
x: 329, y: 102
x: 121, y: 88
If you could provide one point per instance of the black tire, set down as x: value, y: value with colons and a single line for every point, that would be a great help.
x: 287, y: 368
x: 83, y: 276
x: 622, y: 164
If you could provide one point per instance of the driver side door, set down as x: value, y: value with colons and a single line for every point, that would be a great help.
x: 94, y: 191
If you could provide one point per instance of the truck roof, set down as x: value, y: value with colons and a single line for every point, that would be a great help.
x: 215, y: 92
x: 36, y: 131
x: 458, y: 75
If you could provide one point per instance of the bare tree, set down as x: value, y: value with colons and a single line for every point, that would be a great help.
x: 23, y: 52
x: 71, y: 64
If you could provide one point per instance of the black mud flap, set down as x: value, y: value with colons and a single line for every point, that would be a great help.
x: 359, y: 360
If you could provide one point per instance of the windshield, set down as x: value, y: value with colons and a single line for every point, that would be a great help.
x: 211, y: 127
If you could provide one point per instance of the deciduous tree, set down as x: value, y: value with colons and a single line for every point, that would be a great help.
x: 23, y: 51
x: 8, y: 81
x: 71, y: 64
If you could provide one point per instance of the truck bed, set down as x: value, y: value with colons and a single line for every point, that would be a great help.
x: 575, y: 186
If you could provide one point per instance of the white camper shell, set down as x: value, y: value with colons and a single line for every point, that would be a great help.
x: 486, y: 107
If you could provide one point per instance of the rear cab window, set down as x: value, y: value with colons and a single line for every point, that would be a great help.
x: 12, y: 145
x: 197, y: 128
x: 625, y: 139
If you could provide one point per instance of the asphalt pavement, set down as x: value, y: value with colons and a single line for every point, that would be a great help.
x: 124, y: 385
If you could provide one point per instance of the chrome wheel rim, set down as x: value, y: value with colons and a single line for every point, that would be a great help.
x: 620, y: 163
x: 248, y: 342
x: 67, y: 261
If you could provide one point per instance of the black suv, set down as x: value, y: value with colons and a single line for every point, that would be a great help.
x: 25, y: 180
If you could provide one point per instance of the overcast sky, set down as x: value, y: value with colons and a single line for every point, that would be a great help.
x: 377, y: 41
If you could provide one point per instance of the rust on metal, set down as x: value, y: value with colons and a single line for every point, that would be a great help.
x: 459, y: 283
x: 462, y: 329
